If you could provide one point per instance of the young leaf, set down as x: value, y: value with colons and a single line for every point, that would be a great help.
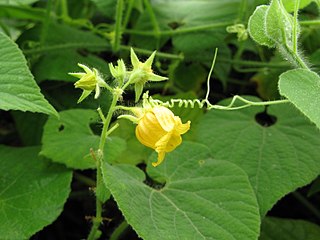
x: 302, y: 88
x: 288, y: 229
x: 201, y: 198
x: 257, y: 27
x: 18, y: 90
x: 32, y: 192
x: 278, y: 158
x: 278, y: 23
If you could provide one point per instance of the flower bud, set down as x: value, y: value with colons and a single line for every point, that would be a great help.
x: 89, y: 80
x: 141, y: 73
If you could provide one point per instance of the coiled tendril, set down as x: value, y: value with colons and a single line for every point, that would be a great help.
x: 233, y: 105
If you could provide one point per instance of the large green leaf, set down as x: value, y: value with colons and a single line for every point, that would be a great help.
x: 278, y: 158
x: 32, y: 192
x: 302, y: 88
x: 190, y: 14
x: 56, y: 66
x: 201, y: 199
x: 135, y: 152
x: 288, y: 229
x: 29, y: 127
x: 18, y: 90
x: 68, y: 140
x: 61, y: 37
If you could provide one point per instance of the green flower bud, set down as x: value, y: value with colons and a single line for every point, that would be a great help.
x: 89, y: 80
x: 118, y: 72
x: 142, y: 73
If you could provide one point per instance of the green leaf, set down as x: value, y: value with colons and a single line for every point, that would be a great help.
x: 202, y: 198
x: 22, y: 12
x: 302, y: 88
x: 278, y: 23
x: 288, y: 229
x: 315, y: 187
x: 61, y: 38
x: 68, y: 140
x: 32, y: 192
x: 278, y: 159
x: 257, y: 27
x: 188, y: 77
x: 29, y: 126
x: 267, y: 79
x: 56, y: 66
x: 17, y: 2
x: 106, y: 7
x: 135, y: 152
x: 19, y: 91
x: 289, y: 4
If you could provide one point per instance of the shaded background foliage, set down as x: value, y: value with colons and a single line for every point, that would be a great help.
x: 267, y: 152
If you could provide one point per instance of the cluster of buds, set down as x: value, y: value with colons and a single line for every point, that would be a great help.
x: 157, y: 126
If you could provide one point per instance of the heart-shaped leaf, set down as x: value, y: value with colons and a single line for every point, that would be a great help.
x: 32, y: 192
x: 68, y: 140
x: 18, y: 89
x: 199, y: 198
x: 302, y: 88
x: 278, y: 158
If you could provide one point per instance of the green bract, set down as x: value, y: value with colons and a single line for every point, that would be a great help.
x: 142, y: 73
x: 89, y: 80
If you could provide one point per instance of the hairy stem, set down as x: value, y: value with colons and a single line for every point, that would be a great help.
x: 118, y: 24
x: 98, y: 218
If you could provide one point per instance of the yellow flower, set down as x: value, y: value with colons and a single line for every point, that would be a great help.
x: 160, y: 130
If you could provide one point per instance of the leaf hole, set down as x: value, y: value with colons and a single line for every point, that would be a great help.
x: 95, y: 128
x: 175, y: 25
x: 265, y: 119
x: 154, y: 184
x: 61, y: 127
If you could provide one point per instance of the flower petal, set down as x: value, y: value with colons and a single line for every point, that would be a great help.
x: 181, y: 128
x: 161, y: 156
x: 174, y: 141
x: 165, y: 117
x: 149, y: 131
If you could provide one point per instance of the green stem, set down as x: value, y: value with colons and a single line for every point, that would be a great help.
x: 119, y: 230
x: 64, y: 9
x: 66, y: 46
x: 180, y: 30
x: 98, y: 218
x: 84, y: 179
x: 158, y: 54
x: 243, y: 10
x: 128, y: 14
x: 307, y: 204
x: 154, y: 22
x: 118, y: 23
x: 296, y: 59
x: 295, y: 27
x: 310, y: 22
x: 45, y: 24
x: 255, y: 63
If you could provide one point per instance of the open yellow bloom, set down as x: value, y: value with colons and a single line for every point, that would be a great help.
x: 160, y: 130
